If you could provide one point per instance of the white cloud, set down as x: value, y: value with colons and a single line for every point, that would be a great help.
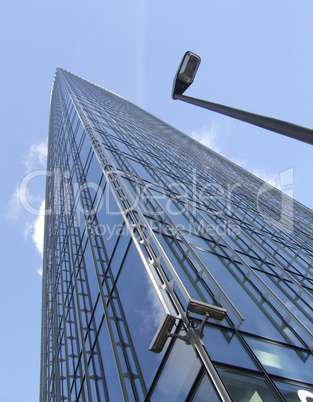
x: 15, y: 213
x: 212, y: 135
x: 152, y: 313
x: 13, y: 208
x: 207, y: 135
x: 240, y: 162
x: 36, y: 156
x: 263, y: 174
x: 38, y: 229
x: 27, y: 229
x: 260, y: 172
x: 34, y: 159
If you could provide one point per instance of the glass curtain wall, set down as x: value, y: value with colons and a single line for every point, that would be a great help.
x: 140, y: 220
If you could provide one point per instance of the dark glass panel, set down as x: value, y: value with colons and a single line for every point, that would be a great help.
x: 246, y: 387
x: 91, y: 274
x: 93, y: 174
x: 110, y: 370
x: 85, y: 149
x: 292, y: 391
x: 142, y: 309
x: 178, y: 375
x: 224, y: 347
x: 205, y: 391
x: 288, y: 300
x: 110, y: 221
x: 141, y: 170
x: 183, y: 269
x: 255, y: 321
x: 119, y: 252
x: 283, y: 361
x: 122, y: 146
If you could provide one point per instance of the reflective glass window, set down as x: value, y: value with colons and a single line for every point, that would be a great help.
x: 205, y: 391
x: 224, y: 347
x: 91, y: 274
x: 178, y: 375
x: 93, y: 174
x: 110, y: 221
x: 197, y: 241
x: 142, y: 309
x: 184, y: 270
x: 256, y: 319
x: 107, y: 357
x: 84, y: 150
x: 122, y: 146
x: 278, y: 290
x: 141, y: 170
x: 283, y: 361
x: 246, y: 387
x: 292, y: 391
x: 119, y: 253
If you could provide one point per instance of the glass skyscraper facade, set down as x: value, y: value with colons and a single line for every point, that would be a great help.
x: 142, y: 220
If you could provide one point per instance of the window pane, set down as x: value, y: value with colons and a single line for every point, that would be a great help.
x: 179, y: 374
x: 224, y: 347
x: 111, y: 375
x: 256, y: 319
x: 143, y: 311
x: 282, y: 360
x: 246, y: 387
x: 110, y: 222
x: 206, y: 392
x: 290, y: 391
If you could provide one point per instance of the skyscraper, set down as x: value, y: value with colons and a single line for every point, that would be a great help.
x: 170, y: 273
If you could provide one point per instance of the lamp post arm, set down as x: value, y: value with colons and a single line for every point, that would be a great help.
x: 291, y: 130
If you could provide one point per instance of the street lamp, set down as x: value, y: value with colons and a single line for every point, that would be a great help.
x: 185, y: 77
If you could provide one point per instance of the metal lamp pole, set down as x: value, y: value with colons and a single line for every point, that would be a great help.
x: 184, y: 78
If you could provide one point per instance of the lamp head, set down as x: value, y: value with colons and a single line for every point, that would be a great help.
x: 201, y: 308
x: 186, y: 73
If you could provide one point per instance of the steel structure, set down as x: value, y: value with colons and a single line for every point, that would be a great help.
x: 140, y: 220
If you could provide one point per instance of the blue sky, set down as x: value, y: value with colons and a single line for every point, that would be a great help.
x: 256, y: 56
